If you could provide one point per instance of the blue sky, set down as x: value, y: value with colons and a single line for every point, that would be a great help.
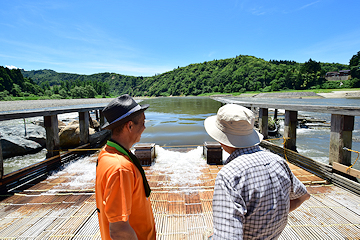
x: 143, y: 38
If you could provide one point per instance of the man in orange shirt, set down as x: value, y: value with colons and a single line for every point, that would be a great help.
x: 122, y: 191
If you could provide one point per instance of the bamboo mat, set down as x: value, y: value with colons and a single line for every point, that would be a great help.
x: 54, y: 210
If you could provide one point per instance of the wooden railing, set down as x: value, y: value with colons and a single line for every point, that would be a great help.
x: 50, y: 116
x: 342, y: 126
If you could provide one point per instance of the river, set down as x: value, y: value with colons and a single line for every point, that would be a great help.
x: 178, y: 121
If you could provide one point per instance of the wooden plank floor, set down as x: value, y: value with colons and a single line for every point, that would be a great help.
x: 63, y: 207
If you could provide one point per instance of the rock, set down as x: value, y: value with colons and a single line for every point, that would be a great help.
x: 70, y: 135
x: 61, y: 124
x: 95, y: 124
x: 15, y: 142
x: 74, y: 122
x: 17, y: 146
x: 33, y: 133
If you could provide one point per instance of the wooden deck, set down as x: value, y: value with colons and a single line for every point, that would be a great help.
x: 63, y: 207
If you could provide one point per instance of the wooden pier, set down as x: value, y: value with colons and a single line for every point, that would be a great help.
x: 54, y: 157
x: 342, y: 126
x: 53, y: 208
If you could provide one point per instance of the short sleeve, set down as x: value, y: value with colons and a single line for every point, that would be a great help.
x: 298, y: 189
x: 118, y: 195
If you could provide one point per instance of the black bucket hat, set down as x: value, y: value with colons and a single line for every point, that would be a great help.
x: 119, y: 111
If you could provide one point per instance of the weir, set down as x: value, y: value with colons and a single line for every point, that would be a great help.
x: 54, y: 156
x: 63, y: 205
x: 342, y: 125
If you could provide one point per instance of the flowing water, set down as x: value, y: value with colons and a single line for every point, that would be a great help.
x: 178, y: 121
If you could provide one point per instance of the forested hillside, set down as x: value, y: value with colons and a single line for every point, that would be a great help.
x: 240, y: 74
x: 233, y: 75
x: 12, y: 83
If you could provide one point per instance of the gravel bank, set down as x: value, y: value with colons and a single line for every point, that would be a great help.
x: 287, y: 95
x: 35, y: 104
x: 334, y: 94
x: 341, y: 94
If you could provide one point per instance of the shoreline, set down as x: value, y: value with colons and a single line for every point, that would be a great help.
x: 48, y: 103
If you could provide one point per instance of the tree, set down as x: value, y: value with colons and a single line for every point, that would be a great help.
x: 4, y: 95
x: 16, y: 91
x: 90, y: 92
x: 311, y: 67
x: 63, y: 93
x: 355, y: 66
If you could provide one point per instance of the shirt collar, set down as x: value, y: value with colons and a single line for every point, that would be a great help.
x: 241, y: 151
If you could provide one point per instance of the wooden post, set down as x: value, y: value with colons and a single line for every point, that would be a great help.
x: 97, y: 114
x: 52, y: 135
x: 1, y: 162
x: 290, y: 129
x: 84, y: 127
x: 263, y: 121
x: 340, y: 137
x: 275, y: 114
x: 90, y: 121
x: 102, y: 118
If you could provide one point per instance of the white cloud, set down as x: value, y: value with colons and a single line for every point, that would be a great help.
x: 11, y: 67
x: 308, y: 5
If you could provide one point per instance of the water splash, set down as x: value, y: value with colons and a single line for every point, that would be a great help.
x: 183, y: 168
x: 80, y: 174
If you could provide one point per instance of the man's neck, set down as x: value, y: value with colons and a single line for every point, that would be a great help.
x: 228, y: 149
x: 123, y: 142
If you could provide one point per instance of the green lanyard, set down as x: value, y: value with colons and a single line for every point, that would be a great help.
x: 135, y: 161
x: 120, y: 149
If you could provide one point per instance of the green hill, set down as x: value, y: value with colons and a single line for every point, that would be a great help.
x: 239, y: 74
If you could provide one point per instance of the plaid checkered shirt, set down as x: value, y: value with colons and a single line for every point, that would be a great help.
x: 252, y: 195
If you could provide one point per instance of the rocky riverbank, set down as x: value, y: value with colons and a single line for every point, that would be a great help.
x: 19, y: 138
x: 35, y: 104
x: 333, y: 94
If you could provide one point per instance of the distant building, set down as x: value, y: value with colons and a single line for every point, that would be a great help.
x: 344, y: 72
x: 336, y: 76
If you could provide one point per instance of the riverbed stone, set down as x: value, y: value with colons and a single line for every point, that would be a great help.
x: 30, y: 132
x: 18, y: 146
x: 21, y: 139
x: 69, y: 136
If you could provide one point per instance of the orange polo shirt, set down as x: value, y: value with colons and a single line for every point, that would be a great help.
x: 120, y: 195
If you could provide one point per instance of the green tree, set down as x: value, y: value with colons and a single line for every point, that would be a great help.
x: 90, y: 92
x: 355, y: 66
x: 311, y: 67
x: 63, y: 93
x: 4, y: 95
x: 16, y: 91
x: 77, y: 92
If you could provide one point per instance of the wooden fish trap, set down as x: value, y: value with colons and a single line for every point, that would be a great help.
x: 52, y: 210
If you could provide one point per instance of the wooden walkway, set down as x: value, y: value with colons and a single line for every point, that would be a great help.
x: 63, y: 207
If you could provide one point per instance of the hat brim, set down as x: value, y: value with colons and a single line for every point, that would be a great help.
x: 113, y: 125
x: 235, y: 141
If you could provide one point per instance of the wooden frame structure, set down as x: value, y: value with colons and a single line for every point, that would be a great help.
x: 342, y: 125
x: 53, y: 158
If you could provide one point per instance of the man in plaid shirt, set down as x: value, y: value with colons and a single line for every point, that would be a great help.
x: 255, y: 190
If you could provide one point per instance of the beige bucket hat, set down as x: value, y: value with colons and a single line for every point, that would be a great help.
x: 233, y: 126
